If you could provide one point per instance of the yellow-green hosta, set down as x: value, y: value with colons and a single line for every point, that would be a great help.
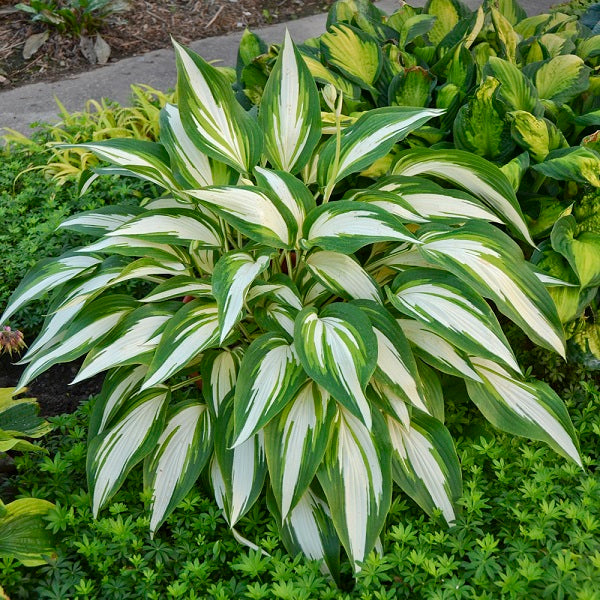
x: 314, y: 304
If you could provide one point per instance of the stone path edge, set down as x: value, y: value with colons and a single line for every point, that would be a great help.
x: 35, y: 102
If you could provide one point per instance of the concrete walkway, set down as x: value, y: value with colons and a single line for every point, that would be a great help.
x: 35, y: 102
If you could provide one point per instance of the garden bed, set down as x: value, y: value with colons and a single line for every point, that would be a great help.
x: 146, y: 26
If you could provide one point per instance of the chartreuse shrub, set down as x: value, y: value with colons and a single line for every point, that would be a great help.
x: 528, y: 526
x: 521, y: 92
x: 318, y: 308
x: 23, y: 533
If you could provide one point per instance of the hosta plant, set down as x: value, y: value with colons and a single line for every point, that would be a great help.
x: 298, y: 314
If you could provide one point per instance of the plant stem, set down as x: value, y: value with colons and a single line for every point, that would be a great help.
x: 182, y: 384
x: 338, y: 148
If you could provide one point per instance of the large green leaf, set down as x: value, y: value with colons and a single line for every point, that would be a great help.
x: 193, y: 329
x: 448, y: 13
x: 370, y: 138
x: 256, y: 212
x: 270, y: 374
x: 562, y: 78
x: 232, y: 277
x: 212, y: 117
x: 113, y: 453
x: 425, y: 464
x: 337, y: 348
x: 490, y: 262
x: 478, y: 176
x: 23, y: 532
x: 356, y: 478
x: 180, y: 455
x: 528, y: 408
x: 581, y: 250
x: 289, y: 111
x: 295, y: 443
x: 452, y: 310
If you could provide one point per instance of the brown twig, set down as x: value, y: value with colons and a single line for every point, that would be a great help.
x: 221, y: 8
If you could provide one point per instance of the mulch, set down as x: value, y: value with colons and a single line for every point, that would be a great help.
x: 52, y: 390
x: 146, y: 26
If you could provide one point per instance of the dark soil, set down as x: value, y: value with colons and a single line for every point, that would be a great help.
x: 52, y: 390
x: 146, y: 26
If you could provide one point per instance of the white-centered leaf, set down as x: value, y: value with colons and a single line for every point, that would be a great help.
x: 46, y: 275
x: 295, y: 443
x: 118, y: 386
x: 112, y: 454
x: 131, y: 342
x: 242, y: 468
x: 150, y: 269
x: 343, y: 276
x: 527, y: 408
x: 180, y: 455
x: 126, y: 246
x: 172, y: 226
x: 474, y: 174
x: 454, y: 311
x: 211, y: 116
x: 425, y: 464
x: 337, y: 348
x: 357, y: 481
x: 346, y: 226
x: 256, y: 212
x: 232, y: 277
x: 370, y: 138
x: 219, y: 375
x: 435, y: 350
x: 289, y: 111
x: 191, y: 330
x: 492, y: 264
x: 269, y: 376
x: 101, y: 220
x: 179, y: 287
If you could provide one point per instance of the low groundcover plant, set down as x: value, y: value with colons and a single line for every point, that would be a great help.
x: 298, y: 312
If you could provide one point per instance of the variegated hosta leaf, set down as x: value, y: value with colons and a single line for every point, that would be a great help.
x: 212, y: 117
x: 256, y: 212
x: 471, y: 172
x: 289, y: 112
x: 126, y: 246
x: 113, y: 453
x: 425, y: 464
x: 172, y: 226
x: 343, y: 276
x: 180, y: 455
x: 357, y: 481
x: 101, y: 220
x: 289, y: 189
x: 370, y: 138
x: 434, y: 393
x: 396, y: 366
x: 431, y: 201
x: 46, y: 275
x: 528, y: 408
x: 119, y: 385
x: 490, y: 262
x: 240, y: 471
x: 392, y: 203
x: 87, y: 329
x: 132, y: 341
x: 179, y: 287
x: 146, y: 160
x: 309, y: 529
x: 346, y: 226
x: 219, y: 374
x: 73, y: 297
x: 337, y: 348
x: 389, y: 260
x: 151, y: 269
x: 193, y: 328
x: 436, y: 351
x: 452, y: 310
x: 295, y: 443
x: 232, y: 277
x: 191, y: 167
x: 280, y: 288
x: 270, y: 374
